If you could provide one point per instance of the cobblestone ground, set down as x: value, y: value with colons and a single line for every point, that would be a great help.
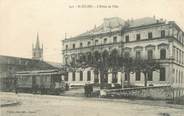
x: 47, y: 105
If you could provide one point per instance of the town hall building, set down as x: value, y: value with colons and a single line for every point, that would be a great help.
x: 146, y: 38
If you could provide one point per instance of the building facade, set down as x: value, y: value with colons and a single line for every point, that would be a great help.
x: 145, y: 38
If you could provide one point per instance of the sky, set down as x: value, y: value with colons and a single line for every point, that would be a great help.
x: 20, y: 20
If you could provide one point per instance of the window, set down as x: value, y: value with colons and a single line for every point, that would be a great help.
x: 66, y: 76
x: 89, y: 76
x: 150, y: 76
x: 138, y: 55
x: 162, y: 33
x: 138, y: 37
x: 96, y: 42
x: 73, y: 76
x: 73, y: 46
x: 114, y: 77
x: 80, y: 44
x: 127, y: 38
x: 179, y: 76
x: 96, y: 79
x: 105, y: 40
x: 150, y: 35
x: 114, y: 39
x: 126, y: 77
x: 66, y: 46
x: 137, y: 76
x: 150, y: 54
x: 177, y: 54
x: 106, y: 77
x: 182, y: 77
x: 182, y: 57
x: 173, y: 51
x: 89, y: 43
x: 162, y: 54
x: 176, y: 76
x: 81, y: 76
x: 162, y: 74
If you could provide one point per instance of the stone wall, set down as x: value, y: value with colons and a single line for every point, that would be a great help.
x: 158, y: 92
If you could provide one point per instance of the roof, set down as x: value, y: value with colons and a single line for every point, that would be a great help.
x: 143, y: 21
x: 108, y: 24
x: 24, y: 63
x: 116, y: 24
x: 55, y: 64
x: 38, y: 72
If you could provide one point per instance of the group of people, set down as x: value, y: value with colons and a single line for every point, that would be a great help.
x: 88, y: 90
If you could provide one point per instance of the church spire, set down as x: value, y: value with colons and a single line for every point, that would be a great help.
x: 37, y: 42
x: 37, y: 51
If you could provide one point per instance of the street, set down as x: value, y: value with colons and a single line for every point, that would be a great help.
x: 48, y: 105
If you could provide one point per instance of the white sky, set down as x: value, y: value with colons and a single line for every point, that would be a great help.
x: 20, y: 20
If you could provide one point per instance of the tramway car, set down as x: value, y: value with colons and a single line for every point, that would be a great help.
x: 41, y: 81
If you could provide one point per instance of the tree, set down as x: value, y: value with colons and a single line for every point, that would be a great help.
x: 103, y: 62
x: 146, y: 66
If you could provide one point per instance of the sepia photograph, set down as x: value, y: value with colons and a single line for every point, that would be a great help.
x: 91, y: 58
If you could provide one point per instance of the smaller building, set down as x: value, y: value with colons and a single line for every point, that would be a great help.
x: 9, y: 65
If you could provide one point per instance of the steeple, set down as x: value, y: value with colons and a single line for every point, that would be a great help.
x: 37, y: 42
x: 37, y: 52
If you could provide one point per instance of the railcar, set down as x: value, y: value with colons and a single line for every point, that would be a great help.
x: 42, y: 81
